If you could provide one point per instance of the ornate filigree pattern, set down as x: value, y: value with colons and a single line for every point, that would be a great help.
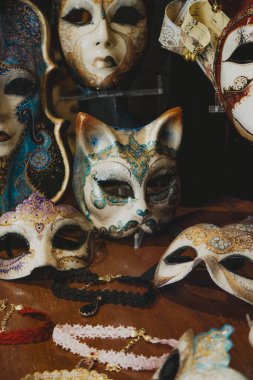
x: 218, y: 248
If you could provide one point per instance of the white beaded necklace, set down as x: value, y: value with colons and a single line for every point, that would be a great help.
x: 67, y: 337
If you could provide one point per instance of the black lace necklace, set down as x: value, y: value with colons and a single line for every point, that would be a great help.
x: 96, y: 298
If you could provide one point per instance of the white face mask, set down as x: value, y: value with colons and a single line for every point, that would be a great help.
x: 102, y: 39
x: 234, y: 72
x: 15, y: 85
x: 127, y: 179
x: 218, y: 248
x: 57, y: 236
x: 201, y: 357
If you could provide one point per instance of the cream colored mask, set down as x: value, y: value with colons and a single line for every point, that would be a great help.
x: 102, y: 39
x: 234, y: 70
x: 125, y: 180
x: 218, y: 248
x: 50, y: 235
x: 201, y: 357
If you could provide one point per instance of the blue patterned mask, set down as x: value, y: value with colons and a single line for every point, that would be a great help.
x: 28, y: 147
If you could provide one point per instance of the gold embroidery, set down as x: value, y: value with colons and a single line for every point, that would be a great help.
x: 221, y: 240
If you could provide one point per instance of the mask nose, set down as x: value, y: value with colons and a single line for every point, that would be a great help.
x: 105, y: 36
x: 44, y: 256
x: 4, y: 109
x: 142, y: 212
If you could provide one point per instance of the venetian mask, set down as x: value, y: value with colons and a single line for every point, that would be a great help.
x: 234, y: 71
x: 201, y: 357
x: 30, y: 143
x: 39, y: 233
x: 127, y: 179
x: 219, y: 248
x: 219, y: 36
x: 102, y: 39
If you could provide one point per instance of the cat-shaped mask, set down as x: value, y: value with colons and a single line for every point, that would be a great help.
x: 127, y: 179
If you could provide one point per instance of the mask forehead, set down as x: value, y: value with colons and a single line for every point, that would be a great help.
x: 102, y: 3
x: 39, y: 214
x: 138, y: 156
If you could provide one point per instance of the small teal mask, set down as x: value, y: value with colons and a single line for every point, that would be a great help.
x: 201, y: 357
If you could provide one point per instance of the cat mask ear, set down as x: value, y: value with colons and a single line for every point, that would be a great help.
x: 167, y: 129
x: 92, y: 134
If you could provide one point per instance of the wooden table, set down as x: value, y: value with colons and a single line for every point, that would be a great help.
x: 194, y: 302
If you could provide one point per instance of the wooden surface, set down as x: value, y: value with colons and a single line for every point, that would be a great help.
x: 194, y: 302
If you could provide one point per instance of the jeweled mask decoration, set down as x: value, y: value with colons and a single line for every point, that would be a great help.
x: 32, y: 156
x: 218, y: 248
x: 234, y: 70
x: 102, y: 39
x: 43, y: 234
x: 192, y: 28
x: 127, y: 179
x: 201, y: 357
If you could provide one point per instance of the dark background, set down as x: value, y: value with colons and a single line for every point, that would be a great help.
x: 213, y: 158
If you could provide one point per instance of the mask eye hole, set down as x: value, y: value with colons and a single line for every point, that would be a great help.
x: 78, y: 16
x: 126, y: 16
x: 240, y: 265
x: 159, y: 184
x: 170, y: 368
x: 69, y: 238
x: 180, y: 256
x: 242, y: 54
x: 13, y: 245
x: 19, y: 87
x: 116, y: 188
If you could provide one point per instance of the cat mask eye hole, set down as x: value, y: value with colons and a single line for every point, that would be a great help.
x: 116, y: 188
x: 159, y: 184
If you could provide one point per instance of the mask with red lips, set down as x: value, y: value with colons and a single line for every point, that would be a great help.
x: 220, y: 39
x: 234, y: 69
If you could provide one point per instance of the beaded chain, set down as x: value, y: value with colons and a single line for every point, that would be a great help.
x: 75, y: 374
